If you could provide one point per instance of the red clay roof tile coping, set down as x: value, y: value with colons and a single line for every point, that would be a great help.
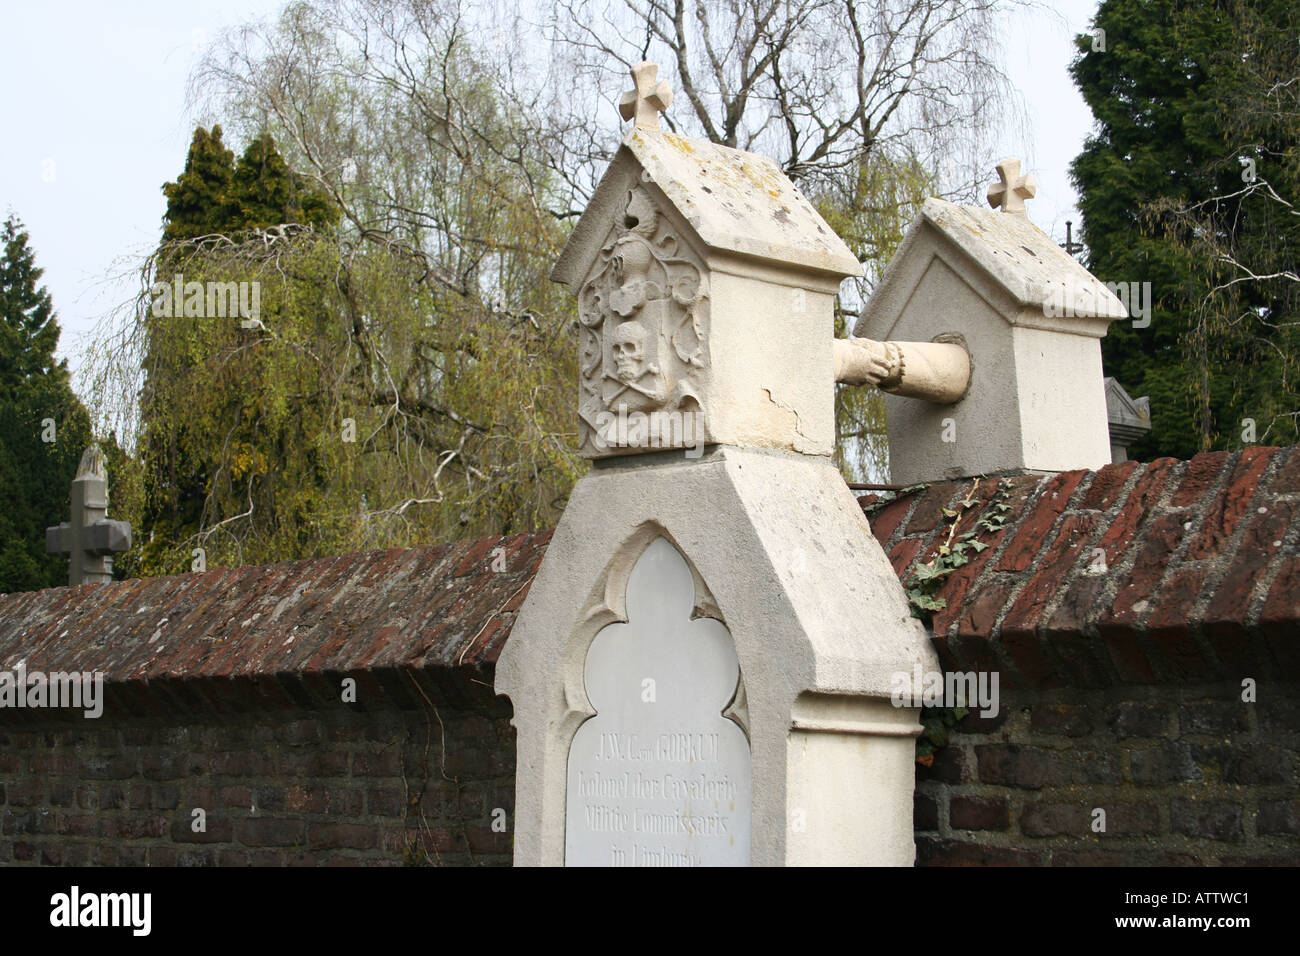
x: 1135, y: 574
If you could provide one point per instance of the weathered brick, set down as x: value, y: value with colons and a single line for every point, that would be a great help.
x: 1032, y: 768
x: 1222, y: 513
x: 902, y: 554
x: 1213, y: 716
x: 1047, y: 819
x: 885, y: 521
x: 1209, y: 819
x: 1127, y: 654
x: 1107, y: 484
x: 1069, y: 720
x: 930, y: 504
x: 1141, y: 718
x: 925, y: 812
x: 1201, y: 474
x: 301, y: 732
x: 1261, y: 545
x: 107, y: 767
x: 241, y: 763
x: 1254, y: 764
x: 385, y: 763
x: 935, y: 851
x: 28, y: 792
x: 1278, y: 816
x: 1277, y: 712
x: 312, y: 763
x: 385, y: 801
x: 1035, y: 668
x: 1287, y: 478
x: 1131, y: 819
x: 1279, y: 619
x: 217, y: 829
x: 976, y: 723
x: 271, y: 831
x: 1066, y: 553
x: 1163, y: 764
x: 1138, y: 592
x: 165, y: 796
x: 949, y: 767
x: 236, y: 796
x: 486, y: 840
x: 983, y: 609
x: 978, y: 813
x: 1084, y: 660
x: 1122, y: 525
x: 345, y: 835
x: 1033, y: 528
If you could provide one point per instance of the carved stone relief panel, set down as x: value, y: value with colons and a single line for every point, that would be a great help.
x: 643, y: 339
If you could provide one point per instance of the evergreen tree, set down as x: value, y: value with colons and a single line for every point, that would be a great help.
x: 196, y: 201
x: 43, y: 426
x: 1165, y: 89
x: 265, y: 192
x: 214, y: 195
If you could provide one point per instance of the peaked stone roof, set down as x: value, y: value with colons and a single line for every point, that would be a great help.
x: 1023, y: 260
x: 736, y: 202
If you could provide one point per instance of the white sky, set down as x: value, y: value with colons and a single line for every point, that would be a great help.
x: 95, y: 122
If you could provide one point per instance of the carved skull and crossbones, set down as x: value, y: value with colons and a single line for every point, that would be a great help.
x: 629, y: 351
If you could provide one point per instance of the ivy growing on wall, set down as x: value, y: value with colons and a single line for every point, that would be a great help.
x: 927, y: 580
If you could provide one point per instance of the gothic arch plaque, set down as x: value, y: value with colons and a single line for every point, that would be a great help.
x: 660, y: 776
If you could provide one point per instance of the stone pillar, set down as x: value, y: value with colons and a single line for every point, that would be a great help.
x: 701, y: 672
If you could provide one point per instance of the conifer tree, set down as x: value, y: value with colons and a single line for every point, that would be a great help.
x: 43, y: 426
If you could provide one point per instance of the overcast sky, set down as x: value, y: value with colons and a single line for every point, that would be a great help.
x: 95, y: 122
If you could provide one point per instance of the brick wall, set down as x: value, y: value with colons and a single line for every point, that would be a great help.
x: 1121, y: 609
x: 328, y: 786
x: 1188, y: 776
x: 1163, y: 574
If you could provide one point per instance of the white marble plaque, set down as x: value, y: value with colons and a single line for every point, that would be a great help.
x: 659, y: 777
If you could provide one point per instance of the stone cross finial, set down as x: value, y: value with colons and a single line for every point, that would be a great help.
x: 649, y: 97
x: 1013, y: 189
x: 90, y: 539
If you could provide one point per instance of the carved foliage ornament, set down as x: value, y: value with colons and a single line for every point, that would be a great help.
x: 642, y: 339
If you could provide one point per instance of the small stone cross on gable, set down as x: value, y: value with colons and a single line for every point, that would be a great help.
x: 650, y: 97
x: 1013, y: 189
x: 90, y: 539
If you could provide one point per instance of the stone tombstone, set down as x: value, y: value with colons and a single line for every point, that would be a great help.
x: 1031, y: 319
x: 660, y: 776
x: 706, y: 285
x: 711, y: 640
x: 90, y: 539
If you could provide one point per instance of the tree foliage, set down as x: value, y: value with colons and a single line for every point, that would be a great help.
x: 457, y: 148
x: 1190, y: 99
x: 36, y: 403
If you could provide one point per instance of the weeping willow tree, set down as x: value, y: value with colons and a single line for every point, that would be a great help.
x: 407, y: 374
x: 411, y: 376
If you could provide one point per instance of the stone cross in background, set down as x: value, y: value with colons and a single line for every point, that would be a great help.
x: 90, y: 539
